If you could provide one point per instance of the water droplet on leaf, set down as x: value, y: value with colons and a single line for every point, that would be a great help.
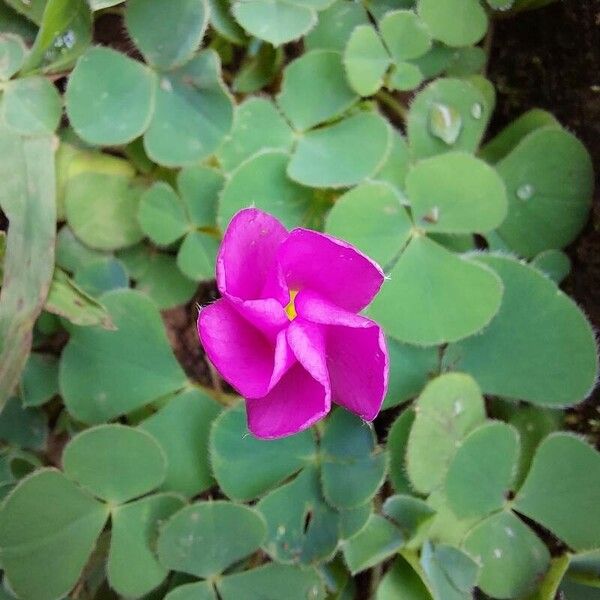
x: 477, y: 110
x: 445, y: 123
x: 525, y: 191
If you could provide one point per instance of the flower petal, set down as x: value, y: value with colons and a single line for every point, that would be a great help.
x: 294, y: 404
x: 358, y: 365
x: 312, y: 307
x: 330, y: 267
x: 307, y: 342
x: 244, y: 357
x: 247, y: 265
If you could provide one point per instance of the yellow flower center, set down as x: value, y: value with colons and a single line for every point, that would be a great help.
x: 290, y: 309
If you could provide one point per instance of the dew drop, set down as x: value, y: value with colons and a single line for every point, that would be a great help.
x: 525, y: 192
x: 477, y: 110
x: 445, y: 123
x: 497, y: 553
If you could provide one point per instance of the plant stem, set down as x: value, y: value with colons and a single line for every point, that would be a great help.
x: 393, y: 104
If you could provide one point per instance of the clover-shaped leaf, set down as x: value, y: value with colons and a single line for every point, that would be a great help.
x: 401, y: 579
x: 197, y: 255
x: 553, y: 263
x: 39, y: 380
x: 449, y: 408
x: 454, y: 22
x: 102, y: 275
x: 544, y: 348
x: 397, y: 443
x: 405, y: 35
x: 396, y: 165
x: 335, y: 26
x: 162, y: 214
x: 12, y: 54
x: 23, y: 426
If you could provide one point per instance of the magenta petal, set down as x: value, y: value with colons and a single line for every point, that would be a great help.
x: 307, y: 342
x: 312, y: 307
x: 294, y: 404
x: 267, y: 315
x: 330, y: 267
x: 358, y: 365
x: 247, y: 265
x: 243, y: 355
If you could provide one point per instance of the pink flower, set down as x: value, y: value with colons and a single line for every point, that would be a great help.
x: 285, y: 333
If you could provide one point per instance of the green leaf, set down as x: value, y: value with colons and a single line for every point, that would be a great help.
x: 548, y: 588
x: 24, y: 427
x: 397, y: 442
x: 71, y: 254
x: 402, y: 581
x: 468, y: 60
x: 365, y: 60
x: 193, y: 114
x: 335, y: 26
x: 45, y: 545
x: 207, y: 537
x: 445, y: 527
x: 396, y: 165
x: 246, y: 467
x: 410, y: 514
x: 405, y: 76
x: 114, y: 462
x: 353, y: 520
x: 449, y: 114
x: 222, y: 21
x: 376, y: 542
x: 199, y: 187
x: 162, y: 215
x: 167, y: 34
x: 197, y: 256
x: 452, y: 574
x: 483, y: 470
x: 372, y: 218
x: 454, y: 22
x: 32, y: 11
x: 200, y: 590
x: 274, y: 21
x: 353, y: 467
x: 258, y: 70
x: 39, y: 381
x: 102, y: 210
x: 31, y: 106
x: 258, y: 125
x: 301, y: 527
x: 12, y: 54
x: 549, y: 179
x: 444, y: 297
x: 110, y: 97
x: 314, y: 89
x: 512, y: 557
x: 27, y: 198
x: 448, y: 409
x: 562, y: 490
x: 101, y: 276
x: 342, y: 154
x: 553, y: 263
x: 456, y: 193
x: 272, y: 581
x: 543, y: 346
x: 405, y: 35
x: 262, y: 181
x: 410, y: 368
x: 132, y: 567
x: 182, y: 428
x: 104, y: 374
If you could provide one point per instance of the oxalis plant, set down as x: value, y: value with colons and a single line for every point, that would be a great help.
x: 128, y: 472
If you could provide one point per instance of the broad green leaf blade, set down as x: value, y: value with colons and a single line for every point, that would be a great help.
x: 397, y: 443
x: 199, y: 187
x: 448, y: 409
x: 404, y: 76
x: 162, y: 215
x: 23, y: 427
x: 376, y: 542
x: 115, y: 463
x: 181, y: 428
x: 44, y: 545
x: 328, y: 94
x: 335, y: 26
x: 104, y: 374
x: 454, y: 22
x: 31, y: 106
x: 554, y: 264
x: 193, y: 113
x: 353, y: 520
x: 132, y: 567
x: 262, y: 181
x: 342, y: 154
x: 549, y: 179
x: 102, y: 209
x: 365, y: 60
x: 197, y: 255
x: 543, y: 346
x: 101, y: 276
x: 169, y: 33
x: 301, y: 527
x: 443, y: 297
x: 396, y: 165
x: 562, y: 490
x: 402, y: 581
x: 274, y: 21
x: 405, y: 35
x: 27, y: 198
x: 258, y: 70
x: 246, y: 467
x: 449, y: 114
x: 222, y: 20
x: 258, y: 126
x: 352, y: 467
x: 274, y: 581
x: 512, y: 557
x: 483, y: 470
x: 372, y: 218
x: 12, y: 54
x: 456, y: 193
x: 39, y: 381
x: 207, y: 537
x: 110, y: 97
x: 410, y: 514
x: 200, y: 590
